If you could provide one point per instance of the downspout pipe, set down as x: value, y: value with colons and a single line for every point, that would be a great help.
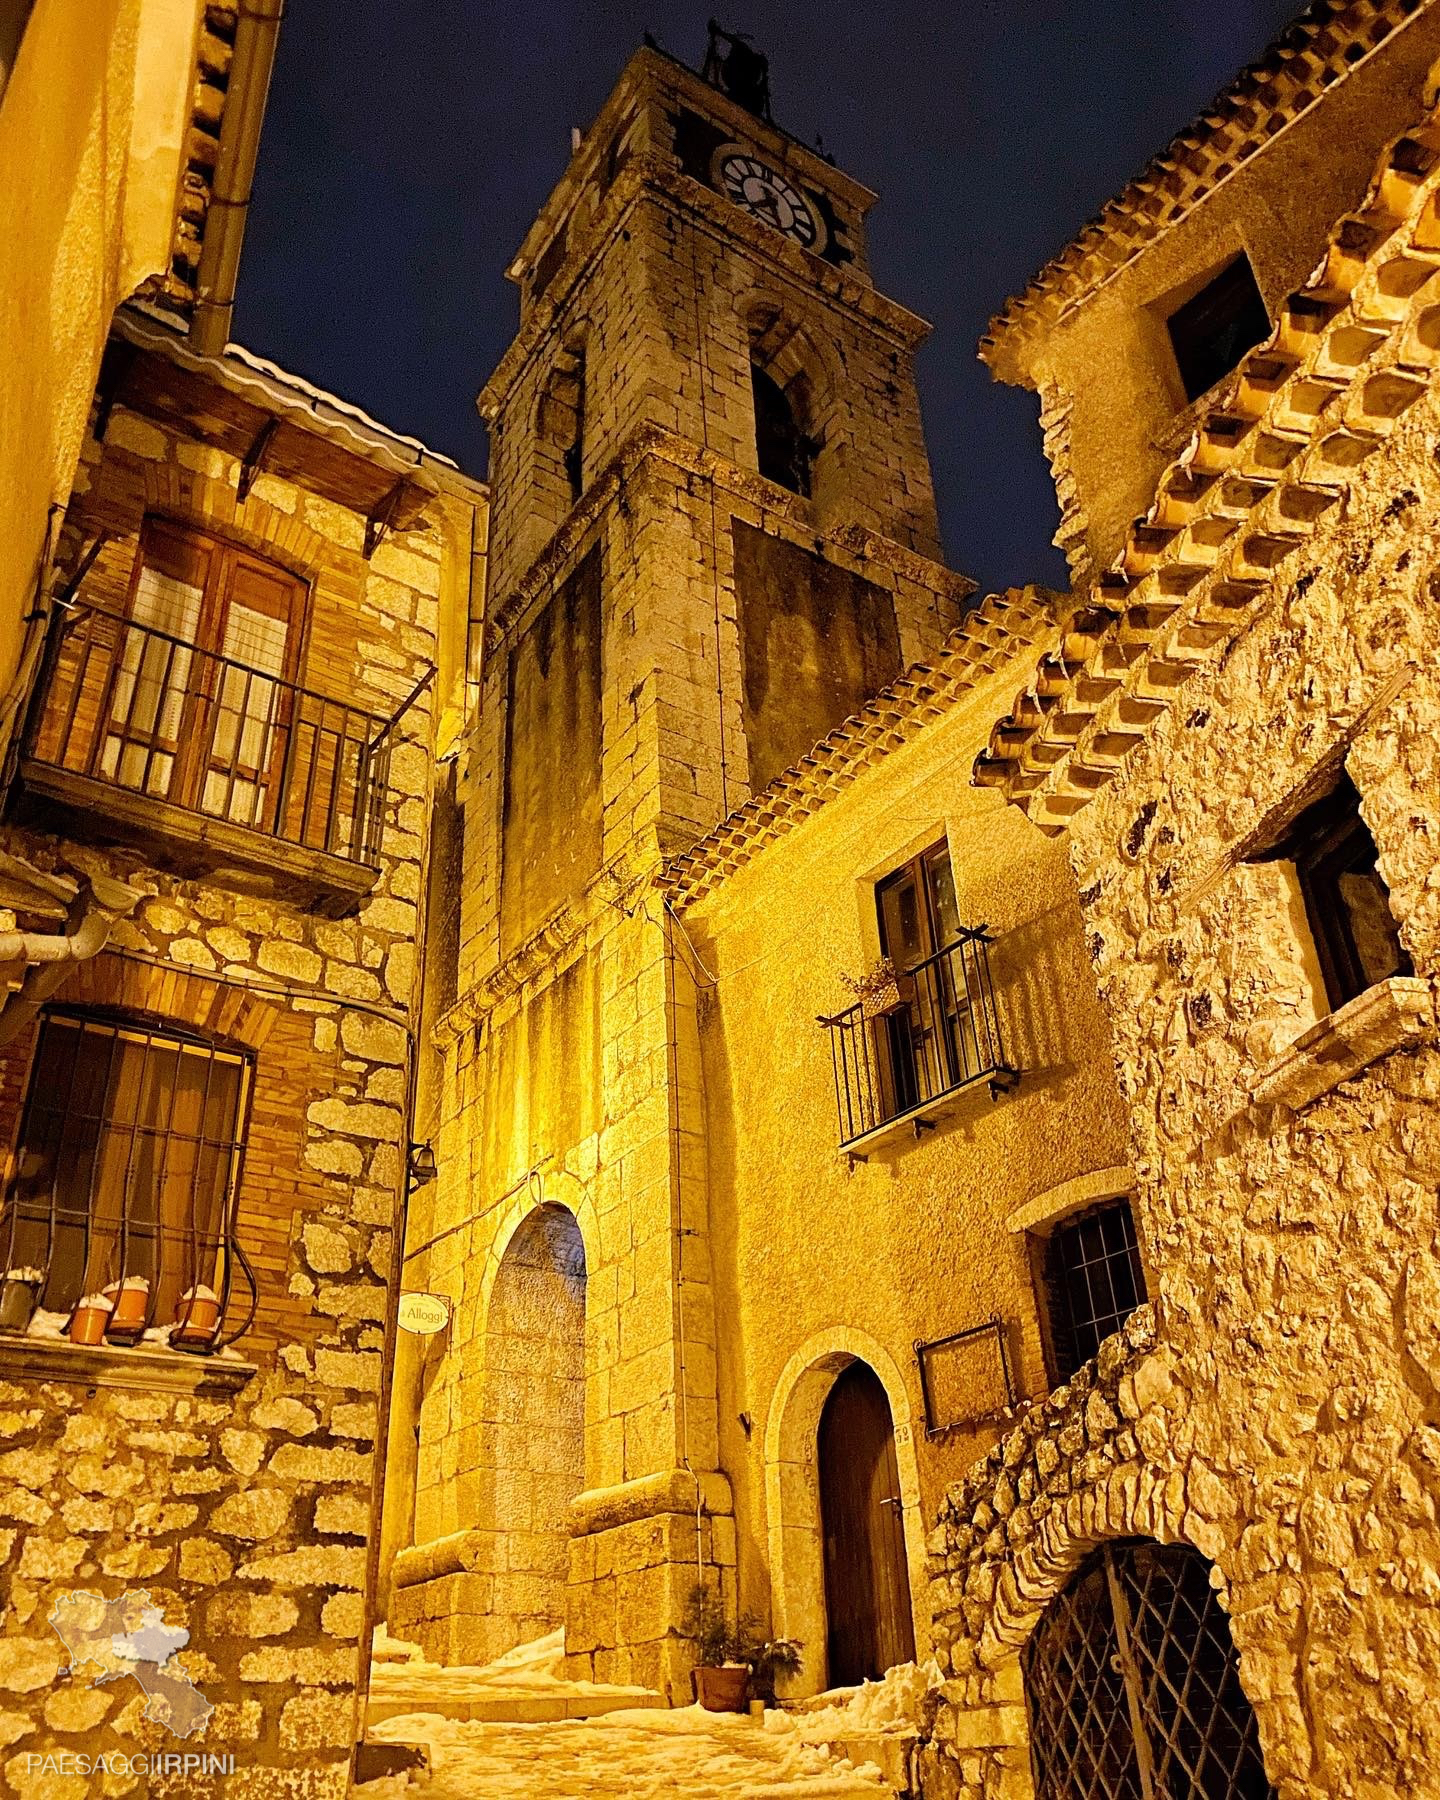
x: 100, y: 902
x: 256, y: 31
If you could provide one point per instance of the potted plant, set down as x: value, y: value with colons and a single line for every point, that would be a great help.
x: 19, y: 1291
x: 882, y: 990
x: 735, y: 1662
x: 197, y: 1319
x: 89, y: 1319
x: 130, y: 1304
x: 721, y: 1677
x: 770, y: 1659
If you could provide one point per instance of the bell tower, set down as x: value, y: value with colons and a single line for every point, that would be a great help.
x: 712, y: 538
x: 698, y: 285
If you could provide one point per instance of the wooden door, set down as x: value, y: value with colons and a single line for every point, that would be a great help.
x: 867, y: 1578
x: 249, y: 711
x: 200, y: 706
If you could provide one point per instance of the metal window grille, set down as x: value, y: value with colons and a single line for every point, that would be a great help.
x: 942, y: 1035
x: 154, y: 711
x: 1096, y: 1280
x: 127, y: 1170
x: 966, y: 1377
x: 1132, y: 1685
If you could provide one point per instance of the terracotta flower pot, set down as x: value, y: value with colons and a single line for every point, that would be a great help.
x: 721, y: 1690
x: 131, y: 1301
x: 89, y: 1319
x: 197, y: 1320
x: 19, y: 1290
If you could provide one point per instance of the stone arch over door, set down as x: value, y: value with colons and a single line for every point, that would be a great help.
x: 792, y: 1491
x: 532, y: 1422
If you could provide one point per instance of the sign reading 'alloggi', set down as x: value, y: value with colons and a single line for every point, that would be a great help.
x: 423, y: 1313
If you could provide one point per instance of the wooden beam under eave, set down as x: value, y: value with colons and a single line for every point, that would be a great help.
x: 397, y: 510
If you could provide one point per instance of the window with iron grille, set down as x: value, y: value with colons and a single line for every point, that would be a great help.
x: 1213, y: 329
x: 1094, y: 1280
x: 1347, y: 904
x: 126, y: 1178
x: 1132, y: 1685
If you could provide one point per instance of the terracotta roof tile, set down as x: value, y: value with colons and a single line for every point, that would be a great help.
x: 1314, y: 52
x: 1273, y: 454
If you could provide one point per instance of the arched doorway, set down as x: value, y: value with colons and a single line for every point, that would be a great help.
x: 869, y: 1625
x: 535, y: 1417
x: 1132, y: 1685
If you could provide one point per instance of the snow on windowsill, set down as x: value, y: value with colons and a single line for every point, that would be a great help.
x: 45, y: 1352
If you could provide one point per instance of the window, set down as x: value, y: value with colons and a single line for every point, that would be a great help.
x: 562, y: 418
x: 1214, y: 328
x: 575, y: 455
x: 1347, y: 903
x: 196, y: 711
x: 1094, y: 1281
x: 128, y: 1163
x: 929, y: 1040
x: 782, y: 449
x: 925, y: 1022
x: 1132, y: 1685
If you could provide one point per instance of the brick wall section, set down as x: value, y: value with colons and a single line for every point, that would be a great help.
x: 246, y: 1514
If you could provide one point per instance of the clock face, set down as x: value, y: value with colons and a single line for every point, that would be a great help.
x: 768, y: 196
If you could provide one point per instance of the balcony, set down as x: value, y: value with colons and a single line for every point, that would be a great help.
x: 212, y: 765
x: 903, y: 1062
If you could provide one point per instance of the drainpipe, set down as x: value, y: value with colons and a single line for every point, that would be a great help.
x: 254, y: 57
x: 99, y: 902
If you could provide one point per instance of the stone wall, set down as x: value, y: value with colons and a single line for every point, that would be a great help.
x: 238, y: 1488
x: 1287, y: 1167
x: 820, y: 1260
x: 1112, y: 404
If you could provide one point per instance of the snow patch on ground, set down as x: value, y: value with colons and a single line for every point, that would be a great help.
x: 621, y: 1756
x: 636, y: 1754
x: 895, y: 1703
x: 400, y: 1673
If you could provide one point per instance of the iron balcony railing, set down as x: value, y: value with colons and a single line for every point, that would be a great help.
x: 940, y: 1033
x: 140, y: 709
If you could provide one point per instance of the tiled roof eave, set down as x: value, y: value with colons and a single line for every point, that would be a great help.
x: 999, y: 628
x: 1268, y: 460
x: 1321, y: 47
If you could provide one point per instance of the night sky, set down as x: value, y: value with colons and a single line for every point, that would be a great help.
x: 407, y: 149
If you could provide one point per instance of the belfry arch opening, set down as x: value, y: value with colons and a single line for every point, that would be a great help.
x: 561, y: 423
x: 784, y: 372
x: 535, y: 1418
x: 1132, y: 1685
x: 783, y: 449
